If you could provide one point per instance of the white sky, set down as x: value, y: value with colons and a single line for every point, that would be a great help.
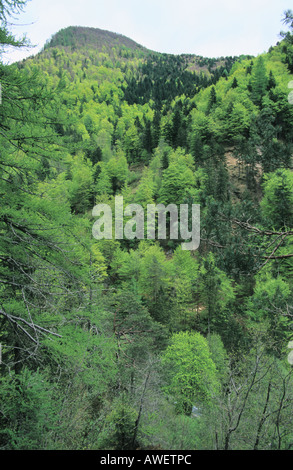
x: 210, y: 28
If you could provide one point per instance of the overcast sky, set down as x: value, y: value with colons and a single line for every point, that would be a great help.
x: 209, y: 28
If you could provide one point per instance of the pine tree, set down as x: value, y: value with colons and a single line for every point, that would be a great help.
x: 277, y: 203
x: 212, y: 99
x: 259, y: 81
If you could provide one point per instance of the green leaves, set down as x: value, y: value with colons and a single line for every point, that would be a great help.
x: 179, y: 180
x: 190, y: 371
x: 259, y: 81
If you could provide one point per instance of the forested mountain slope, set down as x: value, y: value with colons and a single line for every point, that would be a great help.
x: 110, y: 344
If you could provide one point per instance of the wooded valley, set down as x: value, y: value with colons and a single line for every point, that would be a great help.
x: 134, y: 343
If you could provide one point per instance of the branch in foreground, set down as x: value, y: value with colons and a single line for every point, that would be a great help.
x: 17, y: 320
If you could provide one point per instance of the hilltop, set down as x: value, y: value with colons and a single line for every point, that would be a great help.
x: 154, y: 75
x: 79, y: 36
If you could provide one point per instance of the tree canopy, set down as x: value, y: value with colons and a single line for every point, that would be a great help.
x: 131, y: 343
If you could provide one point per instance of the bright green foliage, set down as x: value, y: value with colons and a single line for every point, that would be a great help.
x: 183, y: 279
x: 259, y: 81
x: 117, y: 169
x: 81, y: 184
x: 238, y: 121
x: 112, y: 175
x: 190, y: 371
x: 179, y: 180
x: 153, y: 283
x: 187, y: 265
x: 103, y: 185
x: 145, y: 192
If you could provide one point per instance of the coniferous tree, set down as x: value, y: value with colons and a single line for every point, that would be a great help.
x: 259, y: 81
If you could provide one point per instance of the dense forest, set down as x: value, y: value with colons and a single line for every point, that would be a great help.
x: 128, y: 344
